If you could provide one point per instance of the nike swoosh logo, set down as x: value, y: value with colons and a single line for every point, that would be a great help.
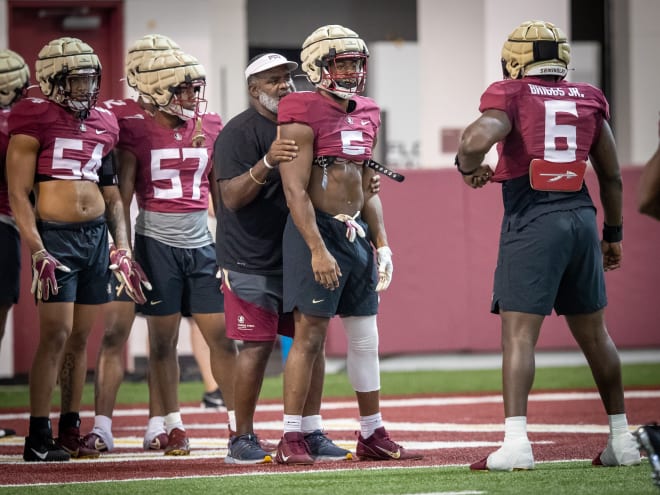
x: 100, y: 131
x: 153, y: 303
x: 316, y: 301
x: 285, y: 457
x: 393, y: 455
x: 40, y: 455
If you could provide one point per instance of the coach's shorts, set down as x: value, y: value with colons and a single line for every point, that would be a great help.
x: 83, y: 247
x: 183, y: 280
x: 555, y: 261
x: 253, y: 307
x: 356, y: 294
x: 10, y: 264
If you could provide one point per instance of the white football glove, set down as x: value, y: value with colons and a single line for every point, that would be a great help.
x: 385, y: 267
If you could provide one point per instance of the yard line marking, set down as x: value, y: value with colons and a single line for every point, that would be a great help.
x: 124, y: 411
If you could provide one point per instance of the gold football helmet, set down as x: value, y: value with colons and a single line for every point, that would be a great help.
x: 175, y: 82
x: 323, y: 49
x: 536, y: 48
x: 14, y: 77
x: 69, y: 73
x: 147, y: 47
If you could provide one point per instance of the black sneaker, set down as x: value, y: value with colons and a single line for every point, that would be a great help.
x: 245, y: 449
x: 213, y: 399
x: 43, y: 449
x: 648, y: 437
x: 322, y: 448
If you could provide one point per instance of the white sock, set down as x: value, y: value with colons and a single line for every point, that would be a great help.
x: 292, y: 423
x: 232, y: 420
x: 515, y: 428
x: 103, y: 423
x: 618, y: 424
x: 369, y: 424
x: 172, y: 421
x: 155, y: 427
x: 312, y: 423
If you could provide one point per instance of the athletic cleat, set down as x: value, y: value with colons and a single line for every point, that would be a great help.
x: 321, y: 448
x: 7, y: 432
x: 266, y: 445
x: 245, y: 449
x: 379, y: 447
x: 94, y: 440
x: 293, y: 450
x: 620, y: 451
x: 177, y: 443
x: 212, y: 399
x: 648, y: 437
x: 44, y: 449
x: 511, y: 456
x: 159, y: 442
x: 71, y: 441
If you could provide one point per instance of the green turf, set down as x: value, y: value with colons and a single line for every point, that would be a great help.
x: 565, y: 478
x: 392, y: 383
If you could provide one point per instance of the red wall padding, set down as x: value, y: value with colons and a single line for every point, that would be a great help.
x: 445, y: 235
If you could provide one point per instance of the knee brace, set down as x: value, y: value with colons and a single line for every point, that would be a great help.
x: 362, y: 362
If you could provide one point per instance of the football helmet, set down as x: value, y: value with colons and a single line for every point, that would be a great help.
x: 175, y: 82
x: 14, y: 78
x: 536, y: 48
x: 146, y: 47
x: 327, y: 46
x: 69, y: 73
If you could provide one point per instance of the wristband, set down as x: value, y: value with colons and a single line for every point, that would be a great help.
x: 458, y: 167
x: 612, y: 233
x: 255, y: 179
x: 268, y: 165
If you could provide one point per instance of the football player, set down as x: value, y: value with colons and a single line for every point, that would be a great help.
x: 60, y: 150
x: 252, y: 216
x: 167, y: 163
x: 550, y: 253
x: 14, y: 80
x: 334, y: 224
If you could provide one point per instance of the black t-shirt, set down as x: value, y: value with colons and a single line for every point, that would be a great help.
x: 249, y: 240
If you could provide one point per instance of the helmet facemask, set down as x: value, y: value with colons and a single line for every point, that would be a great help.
x: 188, y: 100
x: 339, y: 78
x: 78, y: 90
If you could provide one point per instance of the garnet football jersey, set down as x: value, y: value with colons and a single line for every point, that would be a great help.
x: 554, y: 121
x: 4, y: 141
x: 172, y: 173
x: 350, y: 135
x: 70, y: 149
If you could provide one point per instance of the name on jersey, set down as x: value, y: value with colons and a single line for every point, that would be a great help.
x: 550, y: 91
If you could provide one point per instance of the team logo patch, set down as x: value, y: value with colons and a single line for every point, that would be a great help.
x: 550, y: 176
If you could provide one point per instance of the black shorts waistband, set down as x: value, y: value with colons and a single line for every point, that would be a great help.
x: 50, y: 225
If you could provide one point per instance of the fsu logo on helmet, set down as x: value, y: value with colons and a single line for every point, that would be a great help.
x: 536, y: 48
